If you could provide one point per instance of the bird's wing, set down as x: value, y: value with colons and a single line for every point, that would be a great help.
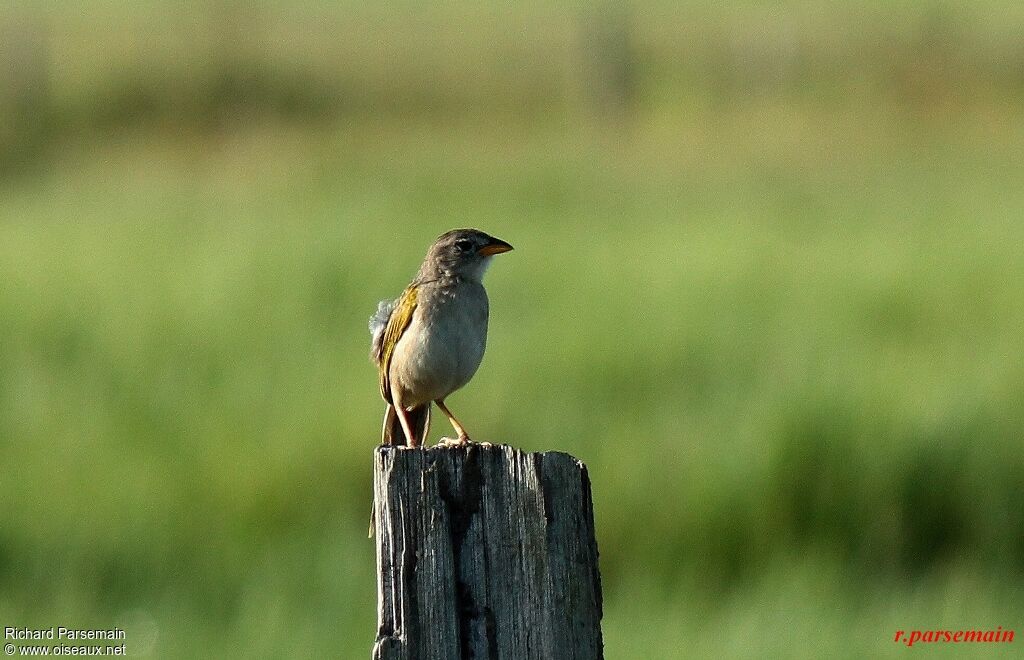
x: 399, y: 320
x: 378, y: 323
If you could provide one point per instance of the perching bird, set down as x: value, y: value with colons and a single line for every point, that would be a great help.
x: 430, y: 341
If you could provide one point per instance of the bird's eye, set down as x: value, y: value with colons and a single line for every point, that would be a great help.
x: 463, y: 245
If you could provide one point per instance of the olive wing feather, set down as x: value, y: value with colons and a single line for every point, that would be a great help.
x: 397, y: 323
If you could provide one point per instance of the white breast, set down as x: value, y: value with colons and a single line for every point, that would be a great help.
x: 442, y: 347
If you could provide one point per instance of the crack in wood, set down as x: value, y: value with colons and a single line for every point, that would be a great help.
x: 485, y: 553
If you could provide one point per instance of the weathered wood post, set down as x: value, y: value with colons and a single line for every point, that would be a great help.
x: 484, y: 552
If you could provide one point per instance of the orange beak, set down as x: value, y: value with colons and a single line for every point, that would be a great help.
x: 496, y: 247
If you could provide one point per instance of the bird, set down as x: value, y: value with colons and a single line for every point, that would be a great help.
x: 429, y: 342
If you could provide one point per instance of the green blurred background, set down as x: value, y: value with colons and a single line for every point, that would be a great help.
x: 767, y: 285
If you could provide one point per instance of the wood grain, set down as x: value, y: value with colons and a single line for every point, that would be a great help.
x: 485, y: 552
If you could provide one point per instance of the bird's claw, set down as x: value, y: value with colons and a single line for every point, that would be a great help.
x: 461, y: 441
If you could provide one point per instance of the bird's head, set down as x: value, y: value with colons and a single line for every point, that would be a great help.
x: 464, y: 253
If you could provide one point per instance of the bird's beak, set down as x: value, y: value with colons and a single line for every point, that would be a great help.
x: 496, y: 246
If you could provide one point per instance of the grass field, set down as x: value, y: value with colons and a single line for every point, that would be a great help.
x: 780, y: 321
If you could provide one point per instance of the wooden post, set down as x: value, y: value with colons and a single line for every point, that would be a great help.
x: 485, y: 552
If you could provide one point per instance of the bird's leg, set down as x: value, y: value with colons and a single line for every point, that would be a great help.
x: 413, y: 441
x: 463, y: 438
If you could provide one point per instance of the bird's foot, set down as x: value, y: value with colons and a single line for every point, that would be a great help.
x: 461, y: 441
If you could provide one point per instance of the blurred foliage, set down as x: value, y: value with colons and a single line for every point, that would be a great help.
x: 767, y: 285
x: 74, y: 69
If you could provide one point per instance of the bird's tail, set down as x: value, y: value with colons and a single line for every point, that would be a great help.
x: 394, y: 434
x: 419, y: 421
